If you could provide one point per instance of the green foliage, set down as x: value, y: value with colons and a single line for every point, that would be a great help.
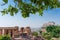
x: 28, y: 7
x: 6, y: 1
x: 35, y: 33
x: 50, y: 28
x: 11, y: 10
x: 6, y: 37
x: 54, y: 31
x: 1, y: 37
x: 46, y: 36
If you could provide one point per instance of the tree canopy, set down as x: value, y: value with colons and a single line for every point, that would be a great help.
x: 27, y: 7
x: 53, y: 30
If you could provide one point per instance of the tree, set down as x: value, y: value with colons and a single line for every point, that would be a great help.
x: 46, y: 36
x: 54, y: 31
x: 50, y: 28
x: 35, y: 34
x: 27, y: 7
x: 5, y: 37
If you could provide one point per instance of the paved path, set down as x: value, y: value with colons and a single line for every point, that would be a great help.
x: 37, y: 38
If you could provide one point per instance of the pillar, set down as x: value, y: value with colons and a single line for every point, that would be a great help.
x: 3, y: 32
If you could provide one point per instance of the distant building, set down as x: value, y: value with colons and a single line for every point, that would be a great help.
x: 8, y: 30
x: 13, y: 31
x: 16, y: 34
x: 47, y: 24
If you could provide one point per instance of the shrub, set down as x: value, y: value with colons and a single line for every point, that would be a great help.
x: 35, y: 34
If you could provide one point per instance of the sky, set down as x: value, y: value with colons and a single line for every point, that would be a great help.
x: 34, y: 21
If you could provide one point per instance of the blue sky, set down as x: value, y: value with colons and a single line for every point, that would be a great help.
x: 33, y: 21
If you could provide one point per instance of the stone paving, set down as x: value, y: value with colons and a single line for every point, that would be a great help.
x: 29, y: 38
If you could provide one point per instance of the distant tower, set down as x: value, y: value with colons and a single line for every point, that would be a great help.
x: 22, y: 30
x: 28, y: 30
x: 17, y: 27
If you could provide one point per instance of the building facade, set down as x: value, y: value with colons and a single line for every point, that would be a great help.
x: 8, y: 30
x: 14, y: 31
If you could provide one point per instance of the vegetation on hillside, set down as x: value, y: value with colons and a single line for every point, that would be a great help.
x: 53, y: 31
